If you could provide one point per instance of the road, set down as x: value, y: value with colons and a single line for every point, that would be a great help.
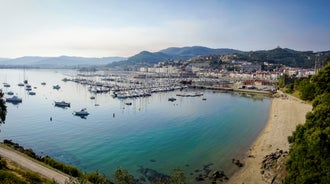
x: 33, y: 166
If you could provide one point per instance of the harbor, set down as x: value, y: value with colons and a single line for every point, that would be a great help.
x: 131, y: 130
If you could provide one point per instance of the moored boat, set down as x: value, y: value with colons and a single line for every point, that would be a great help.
x: 172, y: 99
x: 56, y: 87
x: 83, y: 112
x: 32, y: 93
x: 62, y: 104
x: 6, y: 85
x: 14, y: 100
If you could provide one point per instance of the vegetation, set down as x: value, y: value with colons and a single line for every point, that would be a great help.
x: 177, y: 176
x: 68, y: 169
x: 12, y: 174
x: 123, y: 177
x: 97, y: 178
x: 3, y: 108
x: 10, y: 178
x: 309, y: 157
x: 281, y: 56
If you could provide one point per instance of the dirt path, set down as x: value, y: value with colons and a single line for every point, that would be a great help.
x: 33, y: 166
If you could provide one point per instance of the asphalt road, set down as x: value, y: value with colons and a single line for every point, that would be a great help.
x: 33, y: 166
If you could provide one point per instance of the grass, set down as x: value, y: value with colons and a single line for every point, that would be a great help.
x: 13, y: 173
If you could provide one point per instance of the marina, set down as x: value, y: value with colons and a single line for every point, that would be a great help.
x: 129, y: 132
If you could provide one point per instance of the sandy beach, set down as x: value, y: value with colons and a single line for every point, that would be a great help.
x: 285, y: 114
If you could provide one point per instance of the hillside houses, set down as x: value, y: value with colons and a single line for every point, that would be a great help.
x: 237, y: 70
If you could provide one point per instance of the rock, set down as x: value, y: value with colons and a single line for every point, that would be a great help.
x: 272, y: 167
x: 217, y: 174
x: 237, y: 162
x: 199, y: 178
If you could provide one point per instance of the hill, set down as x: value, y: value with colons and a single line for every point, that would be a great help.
x: 287, y: 57
x: 188, y: 52
x: 146, y: 58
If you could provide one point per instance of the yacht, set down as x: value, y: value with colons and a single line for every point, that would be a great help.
x: 172, y: 99
x: 28, y: 87
x: 56, y: 87
x: 14, y: 100
x: 82, y: 113
x: 6, y: 85
x: 62, y: 104
x: 32, y: 93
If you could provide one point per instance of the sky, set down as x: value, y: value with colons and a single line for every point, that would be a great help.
x: 103, y: 28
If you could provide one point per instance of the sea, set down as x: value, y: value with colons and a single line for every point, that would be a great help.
x: 153, y: 134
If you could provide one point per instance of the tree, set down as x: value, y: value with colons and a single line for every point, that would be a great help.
x: 123, y: 177
x: 3, y: 109
x: 322, y: 79
x: 307, y: 89
x: 97, y: 178
x: 177, y: 176
x: 309, y: 160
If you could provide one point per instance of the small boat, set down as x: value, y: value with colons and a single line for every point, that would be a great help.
x: 92, y: 97
x: 43, y: 83
x: 83, y: 112
x: 203, y: 98
x: 172, y: 99
x: 56, y: 87
x: 20, y: 84
x: 10, y: 93
x: 14, y: 100
x: 128, y: 103
x: 28, y: 87
x: 6, y: 85
x: 62, y: 104
x: 32, y: 93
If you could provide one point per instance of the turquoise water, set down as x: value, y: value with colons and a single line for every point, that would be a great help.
x: 153, y: 133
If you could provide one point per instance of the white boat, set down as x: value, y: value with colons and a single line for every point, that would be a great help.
x: 56, y: 87
x: 14, y: 100
x: 62, y: 104
x: 82, y: 112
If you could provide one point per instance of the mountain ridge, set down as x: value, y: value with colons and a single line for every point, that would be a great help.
x: 171, y: 53
x: 60, y: 61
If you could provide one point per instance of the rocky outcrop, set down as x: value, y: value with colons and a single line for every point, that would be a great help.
x: 237, y: 162
x: 273, y: 167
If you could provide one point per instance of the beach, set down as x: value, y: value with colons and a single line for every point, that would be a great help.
x: 285, y: 114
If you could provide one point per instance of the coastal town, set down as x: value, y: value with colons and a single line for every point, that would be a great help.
x: 164, y: 92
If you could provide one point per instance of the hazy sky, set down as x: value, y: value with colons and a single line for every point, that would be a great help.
x: 99, y: 28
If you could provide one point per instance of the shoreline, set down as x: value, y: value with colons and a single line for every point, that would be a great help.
x: 284, y: 115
